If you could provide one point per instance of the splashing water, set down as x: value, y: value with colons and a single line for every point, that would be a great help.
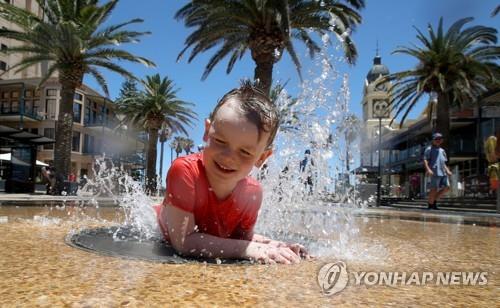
x: 112, y: 181
x: 303, y: 202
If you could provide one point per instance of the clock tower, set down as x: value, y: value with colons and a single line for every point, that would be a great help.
x: 376, y: 98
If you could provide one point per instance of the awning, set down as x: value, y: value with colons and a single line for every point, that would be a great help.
x: 8, y: 157
x: 9, y: 135
x: 42, y: 140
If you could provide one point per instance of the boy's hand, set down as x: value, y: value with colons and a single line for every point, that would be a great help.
x: 298, y: 249
x: 270, y: 254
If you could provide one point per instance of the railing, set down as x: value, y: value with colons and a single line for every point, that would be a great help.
x: 29, y: 113
x: 111, y: 124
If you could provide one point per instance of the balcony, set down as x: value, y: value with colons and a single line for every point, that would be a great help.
x: 100, y: 124
x: 13, y: 115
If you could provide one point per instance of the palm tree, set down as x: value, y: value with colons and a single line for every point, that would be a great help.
x: 495, y: 11
x: 456, y: 67
x: 71, y: 36
x: 155, y: 107
x: 165, y: 133
x: 177, y: 145
x: 187, y: 145
x: 266, y: 28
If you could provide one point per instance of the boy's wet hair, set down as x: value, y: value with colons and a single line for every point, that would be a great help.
x: 255, y: 106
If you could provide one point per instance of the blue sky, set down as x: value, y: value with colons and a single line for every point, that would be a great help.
x: 388, y: 21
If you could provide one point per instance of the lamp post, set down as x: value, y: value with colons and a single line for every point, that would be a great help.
x: 379, y: 173
x: 121, y: 117
x: 380, y: 111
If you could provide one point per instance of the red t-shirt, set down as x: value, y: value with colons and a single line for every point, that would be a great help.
x: 188, y: 189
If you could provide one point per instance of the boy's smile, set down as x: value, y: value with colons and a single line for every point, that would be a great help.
x: 234, y: 147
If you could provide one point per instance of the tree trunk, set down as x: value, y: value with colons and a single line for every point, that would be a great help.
x: 161, y: 161
x: 264, y: 72
x: 64, y: 133
x: 151, y: 162
x: 443, y: 120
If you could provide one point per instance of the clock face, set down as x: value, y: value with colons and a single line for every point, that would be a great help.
x: 380, y: 108
x: 381, y: 86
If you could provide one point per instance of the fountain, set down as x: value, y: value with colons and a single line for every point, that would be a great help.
x: 38, y: 268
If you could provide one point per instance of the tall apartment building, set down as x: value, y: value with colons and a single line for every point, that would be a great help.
x: 96, y: 129
x: 7, y: 60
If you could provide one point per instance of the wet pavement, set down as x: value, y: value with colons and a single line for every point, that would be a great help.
x: 37, y: 267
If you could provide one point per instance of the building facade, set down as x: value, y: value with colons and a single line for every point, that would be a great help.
x: 96, y: 129
x: 401, y: 148
x: 8, y: 60
x: 28, y: 106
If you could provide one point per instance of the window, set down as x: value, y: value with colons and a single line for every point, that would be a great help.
x: 75, y: 145
x: 88, y: 144
x: 36, y: 107
x: 28, y: 107
x: 49, y: 133
x: 14, y: 94
x: 51, y: 92
x: 5, y: 95
x: 86, y: 118
x: 28, y: 93
x: 77, y: 112
x: 50, y: 108
x: 14, y: 106
x: 78, y: 97
x: 5, y: 107
x: 3, y: 66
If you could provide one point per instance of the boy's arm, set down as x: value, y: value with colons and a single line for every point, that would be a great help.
x: 186, y: 241
x: 260, y: 239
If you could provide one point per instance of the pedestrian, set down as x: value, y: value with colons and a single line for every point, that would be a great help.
x: 49, y: 178
x: 435, y: 166
x: 305, y: 167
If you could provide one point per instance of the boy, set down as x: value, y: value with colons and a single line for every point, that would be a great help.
x: 211, y: 204
x: 435, y: 167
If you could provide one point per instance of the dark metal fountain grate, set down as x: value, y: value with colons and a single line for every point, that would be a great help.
x: 124, y: 242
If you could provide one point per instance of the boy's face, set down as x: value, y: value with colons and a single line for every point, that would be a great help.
x: 233, y: 146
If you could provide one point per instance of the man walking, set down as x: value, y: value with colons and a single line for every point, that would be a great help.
x: 435, y: 166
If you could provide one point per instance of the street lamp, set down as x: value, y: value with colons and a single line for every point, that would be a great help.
x: 380, y: 111
x: 121, y: 127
